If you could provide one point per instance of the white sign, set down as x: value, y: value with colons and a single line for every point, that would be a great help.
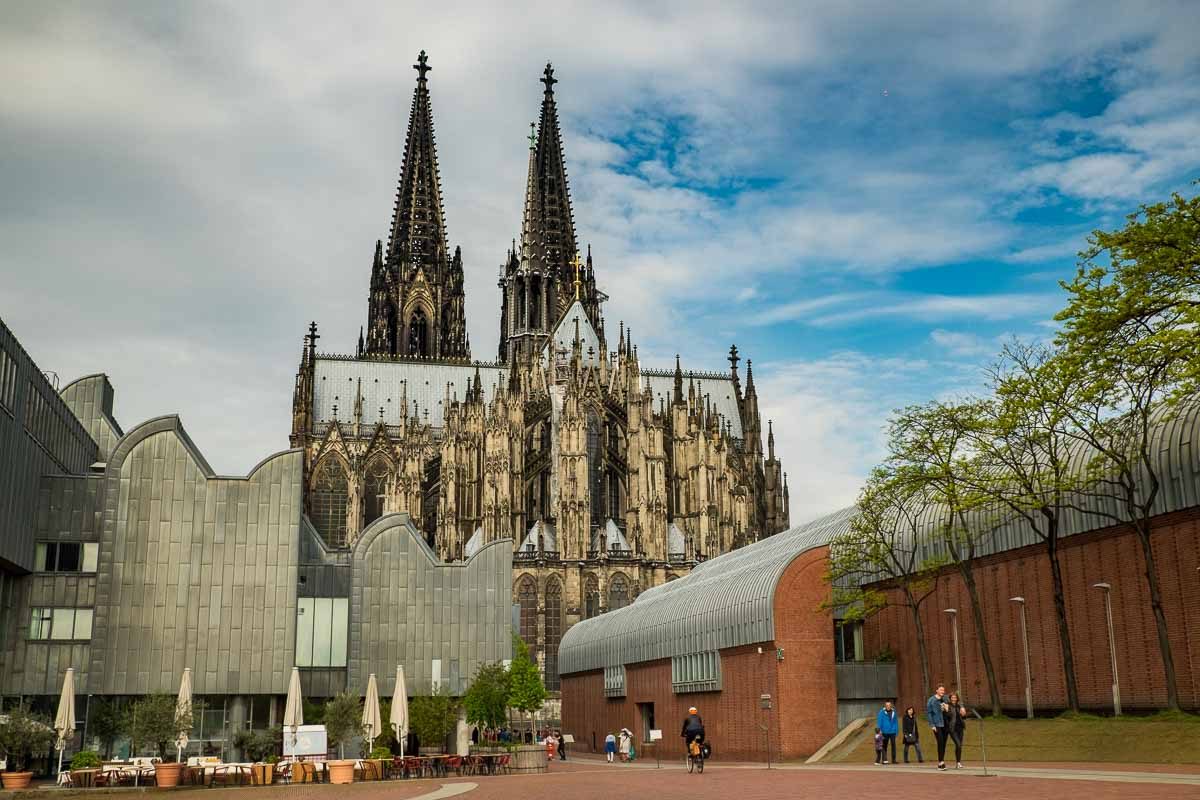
x: 655, y: 736
x: 568, y: 739
x: 310, y: 741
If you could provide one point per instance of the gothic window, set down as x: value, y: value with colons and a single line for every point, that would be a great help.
x: 595, y: 477
x: 618, y: 592
x: 375, y: 491
x: 445, y: 328
x: 614, y: 496
x: 329, y: 500
x: 535, y: 304
x: 521, y: 321
x: 418, y: 334
x: 528, y: 600
x: 591, y: 597
x: 553, y: 631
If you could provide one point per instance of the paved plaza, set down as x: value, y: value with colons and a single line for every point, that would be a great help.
x: 594, y: 780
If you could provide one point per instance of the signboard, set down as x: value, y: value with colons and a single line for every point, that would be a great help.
x: 568, y: 739
x: 656, y: 736
x: 764, y: 701
x: 310, y: 741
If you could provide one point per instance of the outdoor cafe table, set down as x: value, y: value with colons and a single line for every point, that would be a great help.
x: 84, y: 778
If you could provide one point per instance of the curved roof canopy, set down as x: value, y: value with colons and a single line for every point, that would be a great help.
x: 725, y: 602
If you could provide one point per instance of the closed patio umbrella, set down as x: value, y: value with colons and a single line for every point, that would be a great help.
x: 399, y: 720
x: 371, y: 722
x: 183, y: 710
x: 64, y: 720
x: 293, y: 713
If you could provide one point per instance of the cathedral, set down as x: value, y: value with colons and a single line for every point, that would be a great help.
x: 608, y: 476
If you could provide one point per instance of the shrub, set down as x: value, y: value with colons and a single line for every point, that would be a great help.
x: 23, y: 734
x: 433, y: 717
x: 86, y: 759
x: 486, y: 700
x: 381, y: 752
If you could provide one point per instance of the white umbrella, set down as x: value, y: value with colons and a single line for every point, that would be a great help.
x: 183, y: 710
x: 399, y: 718
x: 293, y: 713
x: 371, y: 722
x: 64, y: 720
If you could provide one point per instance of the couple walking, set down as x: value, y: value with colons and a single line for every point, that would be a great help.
x: 888, y: 725
x: 948, y: 718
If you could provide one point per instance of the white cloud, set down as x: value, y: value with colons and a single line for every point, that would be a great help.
x: 958, y: 343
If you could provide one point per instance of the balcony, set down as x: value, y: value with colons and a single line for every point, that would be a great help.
x: 612, y: 554
x: 526, y: 556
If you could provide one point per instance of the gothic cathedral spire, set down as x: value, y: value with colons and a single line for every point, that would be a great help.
x: 416, y: 307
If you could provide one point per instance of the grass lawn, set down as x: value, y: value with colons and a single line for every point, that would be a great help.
x: 1160, y: 739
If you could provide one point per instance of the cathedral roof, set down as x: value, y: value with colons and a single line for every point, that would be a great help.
x: 718, y: 387
x: 564, y: 335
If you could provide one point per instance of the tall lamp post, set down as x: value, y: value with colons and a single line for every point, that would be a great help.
x: 1112, y: 644
x: 953, y: 612
x: 1025, y: 640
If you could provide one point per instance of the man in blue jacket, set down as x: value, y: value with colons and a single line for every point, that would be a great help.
x: 889, y: 725
x: 935, y: 711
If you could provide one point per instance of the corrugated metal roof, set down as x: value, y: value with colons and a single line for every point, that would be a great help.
x: 725, y: 602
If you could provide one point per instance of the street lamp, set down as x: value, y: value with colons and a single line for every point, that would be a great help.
x: 1025, y: 639
x: 953, y: 612
x: 1112, y: 644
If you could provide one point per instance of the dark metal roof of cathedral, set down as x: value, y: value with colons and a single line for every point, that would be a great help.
x: 418, y: 234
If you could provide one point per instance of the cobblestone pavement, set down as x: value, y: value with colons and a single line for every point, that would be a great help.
x: 589, y: 780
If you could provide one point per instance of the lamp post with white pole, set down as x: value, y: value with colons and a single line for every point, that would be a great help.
x: 953, y: 612
x: 1025, y: 640
x: 1112, y: 644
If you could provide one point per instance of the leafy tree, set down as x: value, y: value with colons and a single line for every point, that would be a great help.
x: 259, y: 745
x: 486, y: 700
x: 343, y: 720
x: 525, y: 689
x: 153, y: 721
x: 883, y: 543
x: 106, y: 721
x: 314, y: 713
x: 930, y: 450
x: 22, y: 735
x: 433, y: 717
x: 1131, y: 340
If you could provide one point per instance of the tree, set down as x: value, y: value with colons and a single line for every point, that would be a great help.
x: 883, y: 543
x: 525, y: 690
x: 433, y: 717
x: 153, y: 721
x: 486, y: 700
x: 106, y: 721
x: 1130, y: 339
x: 930, y: 449
x: 22, y: 734
x: 343, y: 720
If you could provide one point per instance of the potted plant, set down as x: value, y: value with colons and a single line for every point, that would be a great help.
x: 21, y: 735
x: 154, y: 720
x: 84, y: 760
x: 343, y: 721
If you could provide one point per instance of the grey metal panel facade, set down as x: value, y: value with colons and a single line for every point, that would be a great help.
x: 195, y: 570
x: 409, y: 608
x: 867, y: 680
x: 91, y: 400
x: 725, y: 602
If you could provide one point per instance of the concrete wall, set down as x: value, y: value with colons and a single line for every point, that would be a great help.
x: 1113, y: 555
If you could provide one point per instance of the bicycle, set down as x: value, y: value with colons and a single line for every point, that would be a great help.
x: 695, y: 762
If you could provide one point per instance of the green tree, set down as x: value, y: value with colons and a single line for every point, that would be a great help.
x: 106, y: 721
x: 22, y: 734
x: 525, y: 689
x: 486, y: 700
x: 884, y: 544
x: 433, y: 717
x: 1131, y: 340
x: 152, y: 721
x: 343, y: 720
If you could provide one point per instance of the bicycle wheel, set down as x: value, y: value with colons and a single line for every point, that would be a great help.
x: 700, y: 764
x: 691, y: 763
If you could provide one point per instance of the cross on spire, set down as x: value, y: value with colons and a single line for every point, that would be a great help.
x: 532, y: 135
x: 548, y: 78
x: 577, y: 264
x: 422, y: 66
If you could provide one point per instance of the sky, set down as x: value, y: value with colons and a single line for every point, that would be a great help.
x: 867, y: 198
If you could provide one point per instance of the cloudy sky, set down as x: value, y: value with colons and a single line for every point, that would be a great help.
x: 866, y: 200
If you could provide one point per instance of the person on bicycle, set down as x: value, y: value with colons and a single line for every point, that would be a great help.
x: 693, y: 729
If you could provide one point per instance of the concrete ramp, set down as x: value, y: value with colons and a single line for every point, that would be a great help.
x: 838, y: 740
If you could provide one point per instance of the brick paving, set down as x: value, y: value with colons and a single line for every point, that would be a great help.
x: 590, y: 780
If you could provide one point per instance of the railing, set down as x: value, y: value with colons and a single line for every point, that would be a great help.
x: 613, y: 554
x: 535, y: 555
x: 676, y: 558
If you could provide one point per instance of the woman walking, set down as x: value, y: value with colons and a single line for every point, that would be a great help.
x: 912, y: 734
x: 956, y: 726
x: 626, y: 743
x: 610, y: 747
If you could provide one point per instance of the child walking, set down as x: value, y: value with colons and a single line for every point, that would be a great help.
x: 878, y: 747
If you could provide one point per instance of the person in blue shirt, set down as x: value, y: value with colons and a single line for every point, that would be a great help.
x: 936, y: 709
x: 889, y: 725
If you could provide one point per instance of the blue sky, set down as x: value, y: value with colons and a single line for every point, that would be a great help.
x: 867, y: 199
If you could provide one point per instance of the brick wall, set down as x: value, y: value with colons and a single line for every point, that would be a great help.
x: 802, y: 686
x: 1113, y: 555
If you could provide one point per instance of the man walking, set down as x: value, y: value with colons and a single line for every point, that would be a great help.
x: 936, y: 709
x: 889, y: 726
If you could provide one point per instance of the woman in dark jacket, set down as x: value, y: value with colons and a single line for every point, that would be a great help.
x: 956, y: 726
x: 912, y: 736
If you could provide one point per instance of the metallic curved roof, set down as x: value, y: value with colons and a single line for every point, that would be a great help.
x: 725, y: 602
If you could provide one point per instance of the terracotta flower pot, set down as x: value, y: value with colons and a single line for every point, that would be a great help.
x: 15, y: 780
x: 340, y: 771
x: 166, y: 776
x: 262, y: 774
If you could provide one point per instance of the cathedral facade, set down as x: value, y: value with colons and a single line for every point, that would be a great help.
x: 608, y: 476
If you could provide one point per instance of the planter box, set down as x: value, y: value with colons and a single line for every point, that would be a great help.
x: 528, y: 759
x: 15, y: 780
x: 340, y: 771
x: 262, y: 774
x: 166, y: 776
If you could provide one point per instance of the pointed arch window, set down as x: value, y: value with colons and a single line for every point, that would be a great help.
x: 528, y: 600
x: 329, y: 500
x: 591, y: 597
x: 553, y: 629
x: 418, y: 334
x: 618, y: 592
x: 375, y: 491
